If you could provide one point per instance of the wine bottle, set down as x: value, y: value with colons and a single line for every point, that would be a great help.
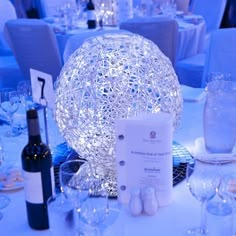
x: 91, y: 17
x: 38, y: 174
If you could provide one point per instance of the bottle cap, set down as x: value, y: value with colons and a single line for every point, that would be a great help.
x: 32, y: 114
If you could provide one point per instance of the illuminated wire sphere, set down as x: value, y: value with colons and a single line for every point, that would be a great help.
x: 116, y: 75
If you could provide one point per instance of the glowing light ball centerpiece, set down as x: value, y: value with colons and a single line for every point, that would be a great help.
x: 115, y: 75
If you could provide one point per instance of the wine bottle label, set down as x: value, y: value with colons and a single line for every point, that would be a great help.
x: 34, y: 188
x: 91, y: 15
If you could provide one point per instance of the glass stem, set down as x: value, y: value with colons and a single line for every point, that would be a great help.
x: 11, y: 122
x: 203, y: 218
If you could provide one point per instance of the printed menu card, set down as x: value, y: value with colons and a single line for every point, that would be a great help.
x: 144, y: 155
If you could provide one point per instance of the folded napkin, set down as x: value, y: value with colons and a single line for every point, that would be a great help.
x: 191, y: 94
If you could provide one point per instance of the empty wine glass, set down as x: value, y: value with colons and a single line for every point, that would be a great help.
x: 220, y: 209
x: 202, y: 181
x: 74, y: 176
x: 24, y: 91
x: 228, y: 186
x: 9, y: 101
x: 94, y: 208
x: 100, y: 9
x: 4, y: 200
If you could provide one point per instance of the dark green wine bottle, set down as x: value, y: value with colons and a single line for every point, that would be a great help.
x: 91, y: 16
x: 38, y: 174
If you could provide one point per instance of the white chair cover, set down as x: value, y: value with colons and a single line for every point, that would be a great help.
x: 162, y: 31
x: 74, y: 42
x: 190, y: 70
x: 221, y: 53
x: 10, y: 73
x: 211, y: 10
x: 34, y: 45
x: 7, y: 12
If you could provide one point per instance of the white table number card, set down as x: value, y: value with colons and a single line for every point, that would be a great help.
x: 144, y: 155
x: 42, y: 88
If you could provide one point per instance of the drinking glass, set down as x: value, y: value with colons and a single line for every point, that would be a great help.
x: 62, y: 216
x: 74, y: 177
x: 228, y: 185
x: 219, y: 123
x: 202, y: 181
x: 87, y: 192
x: 94, y: 208
x: 220, y: 210
x: 24, y: 91
x: 100, y: 10
x: 9, y: 100
x: 74, y: 181
x: 4, y: 200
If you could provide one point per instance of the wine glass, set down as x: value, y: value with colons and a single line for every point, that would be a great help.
x: 24, y: 91
x: 9, y: 100
x: 74, y: 180
x: 100, y: 9
x: 74, y: 175
x: 86, y: 190
x: 202, y: 181
x: 94, y: 209
x: 4, y: 200
x: 228, y: 187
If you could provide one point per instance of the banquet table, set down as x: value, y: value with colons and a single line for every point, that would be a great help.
x: 191, y: 35
x: 174, y: 219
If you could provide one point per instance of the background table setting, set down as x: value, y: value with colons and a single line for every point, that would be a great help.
x: 191, y: 32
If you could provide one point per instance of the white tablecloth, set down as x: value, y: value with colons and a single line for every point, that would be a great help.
x: 172, y: 220
x: 190, y: 38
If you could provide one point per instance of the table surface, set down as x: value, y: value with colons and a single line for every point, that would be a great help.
x: 171, y: 220
x: 190, y: 37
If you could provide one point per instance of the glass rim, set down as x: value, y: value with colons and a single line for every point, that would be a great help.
x: 216, y: 158
x: 71, y: 161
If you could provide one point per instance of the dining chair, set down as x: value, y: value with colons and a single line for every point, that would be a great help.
x: 7, y: 12
x: 190, y: 70
x: 75, y: 41
x: 163, y: 31
x: 211, y: 10
x: 34, y: 45
x: 220, y: 56
x: 10, y: 73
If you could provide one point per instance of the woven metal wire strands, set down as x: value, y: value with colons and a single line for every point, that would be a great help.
x: 112, y: 76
